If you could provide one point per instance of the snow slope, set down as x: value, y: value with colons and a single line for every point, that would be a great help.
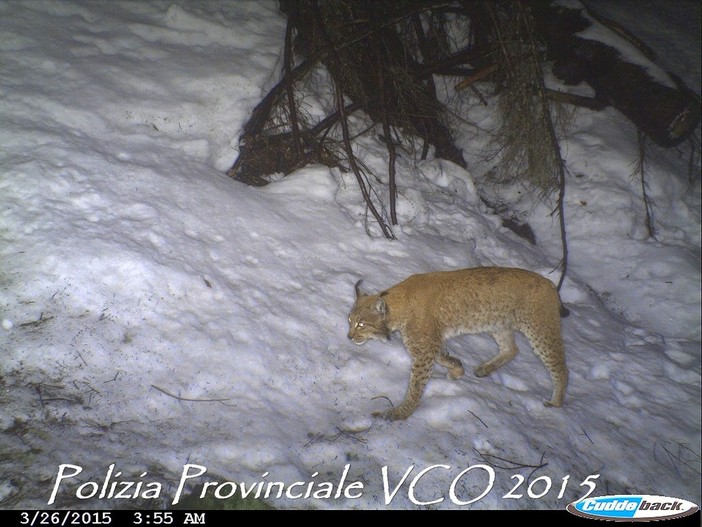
x: 158, y: 316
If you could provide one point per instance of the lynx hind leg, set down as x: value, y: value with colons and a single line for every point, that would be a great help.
x: 453, y: 365
x: 507, y: 351
x: 559, y: 377
x: 548, y: 346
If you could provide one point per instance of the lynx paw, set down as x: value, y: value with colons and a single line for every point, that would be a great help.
x: 396, y: 414
x: 482, y: 371
x: 456, y: 373
x: 551, y: 404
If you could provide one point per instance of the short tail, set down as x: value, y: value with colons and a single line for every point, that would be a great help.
x: 564, y: 311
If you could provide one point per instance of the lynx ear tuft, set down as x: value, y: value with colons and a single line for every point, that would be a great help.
x: 358, y: 289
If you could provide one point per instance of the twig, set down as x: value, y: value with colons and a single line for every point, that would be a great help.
x: 560, y: 164
x: 347, y: 136
x: 672, y: 458
x: 81, y: 357
x: 478, y: 418
x: 648, y: 204
x: 488, y: 457
x: 383, y: 397
x: 622, y: 31
x: 188, y: 399
x: 36, y: 322
x: 287, y: 63
x: 114, y: 378
x: 43, y: 400
x: 475, y: 77
x: 389, y: 143
x: 425, y: 49
x: 541, y: 465
x: 351, y: 435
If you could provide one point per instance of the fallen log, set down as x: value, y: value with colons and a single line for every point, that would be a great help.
x: 584, y: 50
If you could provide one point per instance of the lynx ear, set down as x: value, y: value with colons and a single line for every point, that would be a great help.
x: 380, y: 306
x: 358, y: 289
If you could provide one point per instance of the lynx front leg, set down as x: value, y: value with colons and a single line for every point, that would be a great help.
x: 422, y: 363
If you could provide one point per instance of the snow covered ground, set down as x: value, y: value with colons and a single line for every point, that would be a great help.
x: 160, y: 317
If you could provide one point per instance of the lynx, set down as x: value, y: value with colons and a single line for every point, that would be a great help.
x: 428, y: 309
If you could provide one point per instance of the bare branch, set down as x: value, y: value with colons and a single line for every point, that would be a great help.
x: 186, y: 398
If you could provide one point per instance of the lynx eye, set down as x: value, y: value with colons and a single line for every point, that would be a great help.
x: 360, y: 324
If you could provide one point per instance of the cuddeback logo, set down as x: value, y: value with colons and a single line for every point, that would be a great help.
x: 632, y: 508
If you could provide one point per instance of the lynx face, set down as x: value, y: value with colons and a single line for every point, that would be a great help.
x: 368, y: 318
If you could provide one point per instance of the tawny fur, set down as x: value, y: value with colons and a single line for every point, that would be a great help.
x: 428, y: 309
